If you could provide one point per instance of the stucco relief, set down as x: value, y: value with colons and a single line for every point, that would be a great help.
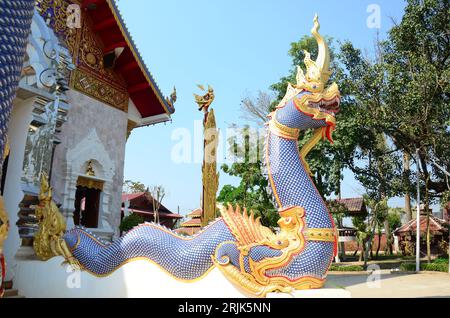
x: 93, y: 132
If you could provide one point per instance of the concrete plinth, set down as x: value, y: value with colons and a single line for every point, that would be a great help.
x: 139, y: 279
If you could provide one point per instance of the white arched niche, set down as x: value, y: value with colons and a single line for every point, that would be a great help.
x: 90, y: 150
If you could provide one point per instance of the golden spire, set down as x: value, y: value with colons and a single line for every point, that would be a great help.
x: 319, y: 70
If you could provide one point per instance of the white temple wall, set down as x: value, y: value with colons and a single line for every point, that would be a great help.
x: 17, y: 135
x: 94, y: 131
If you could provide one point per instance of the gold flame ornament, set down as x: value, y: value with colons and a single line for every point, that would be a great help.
x: 49, y: 241
x: 317, y: 72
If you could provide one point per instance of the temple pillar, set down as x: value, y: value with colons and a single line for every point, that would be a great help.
x: 21, y: 117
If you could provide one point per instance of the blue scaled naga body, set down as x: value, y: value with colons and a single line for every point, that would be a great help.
x: 251, y: 256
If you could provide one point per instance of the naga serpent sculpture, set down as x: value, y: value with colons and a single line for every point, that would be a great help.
x: 250, y: 255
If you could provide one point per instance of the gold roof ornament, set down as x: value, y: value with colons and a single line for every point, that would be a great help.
x: 90, y: 169
x: 317, y: 72
x: 206, y: 100
x: 173, y: 97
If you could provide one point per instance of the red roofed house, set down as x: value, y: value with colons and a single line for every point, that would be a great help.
x: 439, y: 235
x: 354, y: 206
x: 142, y: 204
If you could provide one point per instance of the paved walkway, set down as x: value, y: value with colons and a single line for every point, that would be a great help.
x: 398, y: 285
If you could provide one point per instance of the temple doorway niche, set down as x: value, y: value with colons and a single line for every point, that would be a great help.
x: 87, y: 202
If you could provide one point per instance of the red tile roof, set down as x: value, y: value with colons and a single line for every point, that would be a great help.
x: 142, y: 88
x: 161, y: 214
x: 353, y: 205
x: 142, y: 201
x: 197, y: 213
x: 131, y: 196
x: 436, y: 226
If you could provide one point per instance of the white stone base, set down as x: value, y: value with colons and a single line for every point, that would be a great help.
x: 139, y: 279
x: 314, y: 293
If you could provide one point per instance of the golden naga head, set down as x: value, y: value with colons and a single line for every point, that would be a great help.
x: 322, y: 99
x: 318, y: 71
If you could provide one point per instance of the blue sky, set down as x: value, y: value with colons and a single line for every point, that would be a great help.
x: 237, y: 46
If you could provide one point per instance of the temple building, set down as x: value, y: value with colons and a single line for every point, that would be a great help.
x: 141, y: 203
x: 83, y: 88
x: 193, y: 225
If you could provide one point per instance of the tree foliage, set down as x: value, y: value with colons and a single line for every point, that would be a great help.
x: 130, y: 186
x: 130, y: 221
x: 393, y: 102
x: 252, y: 191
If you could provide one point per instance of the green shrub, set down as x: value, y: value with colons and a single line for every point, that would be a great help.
x: 441, y: 261
x: 129, y: 222
x: 346, y: 268
x: 437, y: 266
x: 408, y: 267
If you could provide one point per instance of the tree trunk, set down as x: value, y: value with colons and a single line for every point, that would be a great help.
x: 363, y: 251
x: 379, y: 243
x: 388, y: 235
x: 369, y: 241
x: 406, y: 172
x: 427, y: 209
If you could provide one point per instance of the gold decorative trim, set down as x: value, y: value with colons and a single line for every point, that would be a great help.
x: 249, y: 233
x: 210, y: 176
x: 191, y: 225
x: 97, y: 89
x: 320, y: 235
x: 90, y: 183
x: 130, y: 126
x: 283, y: 131
x: 317, y: 136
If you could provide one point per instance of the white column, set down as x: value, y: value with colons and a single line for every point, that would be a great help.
x: 21, y: 117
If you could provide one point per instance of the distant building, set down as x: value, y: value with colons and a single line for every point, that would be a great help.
x: 193, y: 225
x: 438, y: 230
x: 142, y: 204
x: 354, y: 206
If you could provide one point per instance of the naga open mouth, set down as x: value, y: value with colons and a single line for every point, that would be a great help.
x: 328, y: 106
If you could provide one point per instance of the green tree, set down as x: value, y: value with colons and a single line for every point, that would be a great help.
x: 130, y: 186
x: 252, y: 191
x: 404, y: 96
x: 362, y: 233
x: 130, y: 221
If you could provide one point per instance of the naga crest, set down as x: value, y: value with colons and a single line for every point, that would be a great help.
x: 310, y: 94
